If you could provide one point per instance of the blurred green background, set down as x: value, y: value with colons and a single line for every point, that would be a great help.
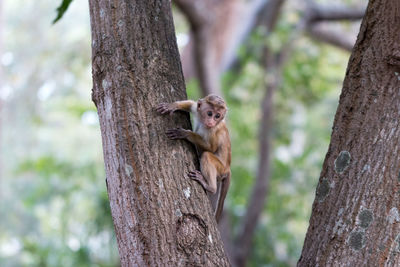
x: 54, y: 207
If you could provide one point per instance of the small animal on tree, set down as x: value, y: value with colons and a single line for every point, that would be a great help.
x: 211, y: 138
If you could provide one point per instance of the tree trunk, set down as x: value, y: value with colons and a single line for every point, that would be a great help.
x: 355, y: 219
x: 161, y: 217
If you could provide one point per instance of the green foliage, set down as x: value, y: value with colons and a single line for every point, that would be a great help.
x: 61, y: 9
x: 45, y: 166
x: 193, y: 89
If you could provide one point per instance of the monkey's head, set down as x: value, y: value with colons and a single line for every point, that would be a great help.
x: 212, y: 110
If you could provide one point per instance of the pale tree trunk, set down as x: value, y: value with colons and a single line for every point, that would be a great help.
x: 218, y: 27
x: 161, y: 217
x: 355, y: 219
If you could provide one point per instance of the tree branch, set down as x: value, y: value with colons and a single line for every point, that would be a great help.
x: 213, y: 44
x: 331, y: 36
x: 323, y: 13
x: 195, y: 12
x: 200, y: 15
x: 335, y: 12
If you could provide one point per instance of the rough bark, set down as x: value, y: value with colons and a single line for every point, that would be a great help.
x: 355, y: 218
x: 161, y: 217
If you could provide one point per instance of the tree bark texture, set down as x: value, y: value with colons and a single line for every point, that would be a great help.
x: 355, y: 219
x: 161, y: 217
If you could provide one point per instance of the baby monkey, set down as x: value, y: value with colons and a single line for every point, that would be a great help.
x: 211, y: 138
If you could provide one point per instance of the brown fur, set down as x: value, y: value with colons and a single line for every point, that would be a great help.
x: 211, y: 137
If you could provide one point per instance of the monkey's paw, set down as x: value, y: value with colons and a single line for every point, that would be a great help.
x: 165, y: 108
x: 177, y: 133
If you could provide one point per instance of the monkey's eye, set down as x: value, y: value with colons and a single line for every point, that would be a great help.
x: 217, y: 116
x: 209, y: 113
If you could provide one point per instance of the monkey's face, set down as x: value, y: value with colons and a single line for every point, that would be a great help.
x: 210, y: 115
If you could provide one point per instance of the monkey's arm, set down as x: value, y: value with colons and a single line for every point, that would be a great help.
x: 185, y: 105
x: 200, y: 142
x: 192, y: 137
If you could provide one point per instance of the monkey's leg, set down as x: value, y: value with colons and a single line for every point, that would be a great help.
x: 210, y: 166
x: 198, y: 176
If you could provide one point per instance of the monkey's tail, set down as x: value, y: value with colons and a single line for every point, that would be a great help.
x: 224, y: 190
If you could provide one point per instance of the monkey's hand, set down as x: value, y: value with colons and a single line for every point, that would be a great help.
x: 165, y: 108
x: 177, y: 133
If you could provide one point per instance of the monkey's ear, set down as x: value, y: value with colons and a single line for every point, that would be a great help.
x: 199, y: 102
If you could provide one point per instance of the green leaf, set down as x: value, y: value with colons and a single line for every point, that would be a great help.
x: 62, y: 9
